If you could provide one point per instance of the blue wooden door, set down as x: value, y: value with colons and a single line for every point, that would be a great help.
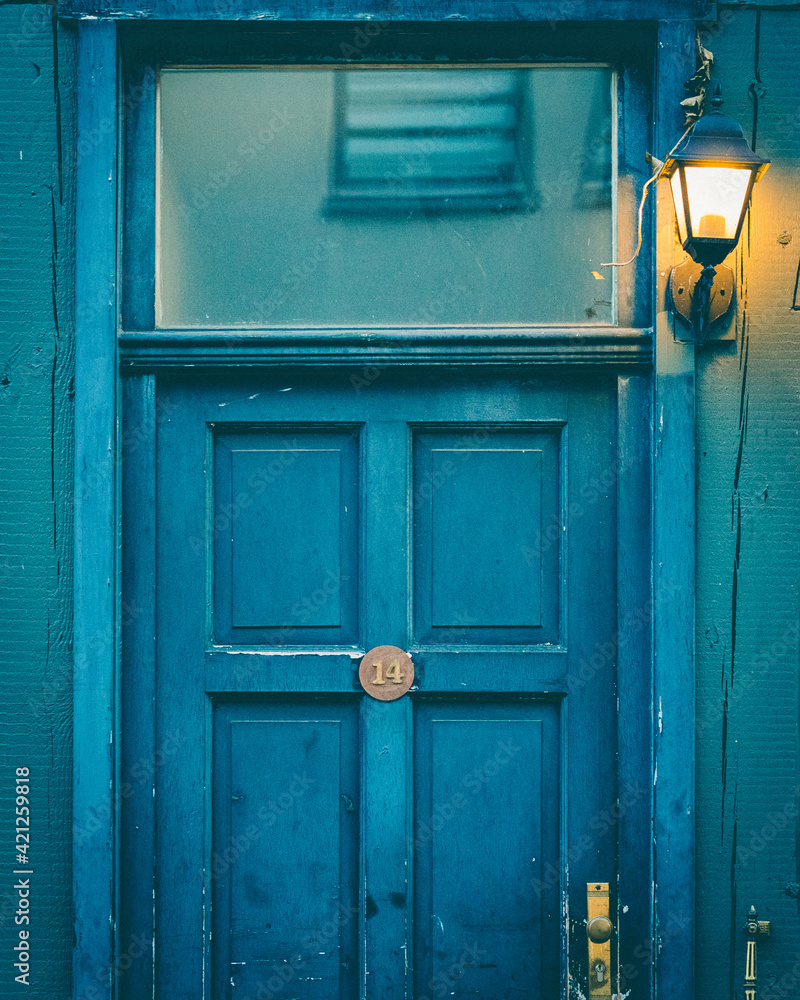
x: 310, y: 841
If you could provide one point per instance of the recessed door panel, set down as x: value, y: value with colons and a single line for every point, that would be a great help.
x: 486, y: 826
x: 481, y: 527
x: 484, y: 571
x: 284, y: 860
x: 285, y: 526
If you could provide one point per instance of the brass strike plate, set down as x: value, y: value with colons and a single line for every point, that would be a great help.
x: 599, y: 931
x: 753, y: 928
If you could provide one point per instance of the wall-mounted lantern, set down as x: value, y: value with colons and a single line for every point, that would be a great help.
x: 712, y: 173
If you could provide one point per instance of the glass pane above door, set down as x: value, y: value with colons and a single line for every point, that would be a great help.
x: 383, y: 197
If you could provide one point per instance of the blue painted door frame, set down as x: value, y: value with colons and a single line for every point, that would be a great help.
x: 668, y: 531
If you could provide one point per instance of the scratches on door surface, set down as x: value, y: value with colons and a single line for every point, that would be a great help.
x: 244, y: 398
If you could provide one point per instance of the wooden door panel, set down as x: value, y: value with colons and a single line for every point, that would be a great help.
x: 470, y: 552
x: 481, y: 497
x: 486, y: 827
x: 285, y: 503
x: 284, y: 862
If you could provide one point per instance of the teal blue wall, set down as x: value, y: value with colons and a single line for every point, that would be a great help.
x: 37, y: 132
x: 748, y: 463
x: 748, y: 408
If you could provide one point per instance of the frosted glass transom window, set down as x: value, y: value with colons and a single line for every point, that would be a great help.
x: 385, y: 196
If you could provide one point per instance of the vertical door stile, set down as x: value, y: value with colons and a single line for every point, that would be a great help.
x: 634, y: 685
x: 180, y: 762
x: 386, y: 779
x: 137, y: 836
x: 674, y: 569
x: 591, y: 636
x: 94, y: 858
x: 386, y: 727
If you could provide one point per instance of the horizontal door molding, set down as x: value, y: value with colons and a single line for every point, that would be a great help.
x: 393, y: 10
x: 142, y: 352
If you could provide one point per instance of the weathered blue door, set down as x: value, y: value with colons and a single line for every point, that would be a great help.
x: 310, y: 841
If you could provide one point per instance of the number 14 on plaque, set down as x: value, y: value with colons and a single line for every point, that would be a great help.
x: 386, y: 673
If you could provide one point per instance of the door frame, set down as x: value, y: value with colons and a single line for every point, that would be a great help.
x: 665, y: 528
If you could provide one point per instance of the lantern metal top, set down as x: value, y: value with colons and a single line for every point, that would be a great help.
x: 716, y: 140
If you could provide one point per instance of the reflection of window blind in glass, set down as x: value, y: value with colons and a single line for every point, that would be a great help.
x: 594, y: 190
x: 432, y: 140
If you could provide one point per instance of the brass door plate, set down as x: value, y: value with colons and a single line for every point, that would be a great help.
x: 386, y: 673
x: 599, y: 931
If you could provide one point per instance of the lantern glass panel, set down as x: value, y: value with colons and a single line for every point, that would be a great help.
x: 677, y: 197
x: 716, y: 200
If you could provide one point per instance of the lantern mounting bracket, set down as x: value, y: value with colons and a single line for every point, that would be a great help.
x: 701, y: 295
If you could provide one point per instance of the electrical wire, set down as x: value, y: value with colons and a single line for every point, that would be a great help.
x: 625, y: 263
x: 655, y: 177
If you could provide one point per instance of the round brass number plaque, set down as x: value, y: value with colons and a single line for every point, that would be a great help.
x: 386, y: 673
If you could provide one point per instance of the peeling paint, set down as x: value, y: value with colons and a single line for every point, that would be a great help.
x: 575, y: 990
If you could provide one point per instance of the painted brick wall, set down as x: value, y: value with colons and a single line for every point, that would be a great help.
x: 37, y: 124
x: 748, y: 407
x: 749, y: 509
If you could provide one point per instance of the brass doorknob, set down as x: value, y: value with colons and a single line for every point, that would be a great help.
x: 599, y: 930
